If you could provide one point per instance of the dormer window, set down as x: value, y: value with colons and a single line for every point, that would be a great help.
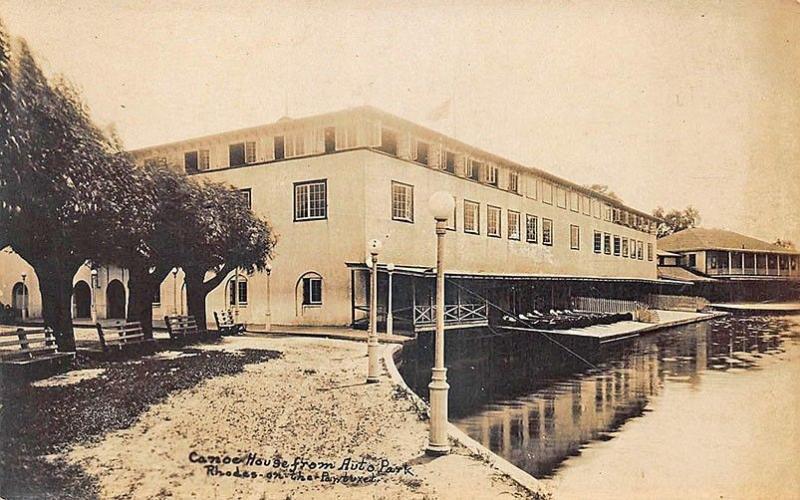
x: 449, y: 163
x: 491, y: 174
x: 242, y: 153
x: 190, y: 161
x: 513, y: 182
x: 474, y: 170
x: 388, y: 141
x: 421, y: 152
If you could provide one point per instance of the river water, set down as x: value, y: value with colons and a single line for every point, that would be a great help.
x: 707, y: 410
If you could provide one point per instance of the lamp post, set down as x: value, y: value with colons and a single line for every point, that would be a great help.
x: 174, y: 291
x: 24, y: 310
x: 389, y: 319
x: 374, y: 247
x: 441, y: 205
x: 268, y: 313
x: 94, y: 295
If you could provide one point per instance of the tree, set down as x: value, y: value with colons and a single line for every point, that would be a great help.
x: 788, y: 244
x: 604, y: 190
x: 68, y: 194
x: 676, y: 220
x: 224, y: 236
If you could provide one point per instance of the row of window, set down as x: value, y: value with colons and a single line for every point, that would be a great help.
x: 621, y: 246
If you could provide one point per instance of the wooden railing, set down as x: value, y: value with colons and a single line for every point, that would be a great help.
x: 455, y: 314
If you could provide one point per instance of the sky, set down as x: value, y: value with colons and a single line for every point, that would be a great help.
x: 669, y: 103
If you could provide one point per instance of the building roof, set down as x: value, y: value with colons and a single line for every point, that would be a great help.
x: 677, y: 273
x: 664, y: 253
x: 700, y: 238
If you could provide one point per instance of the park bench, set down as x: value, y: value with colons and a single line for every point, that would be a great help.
x: 37, y: 356
x: 183, y: 328
x: 124, y: 337
x: 226, y: 325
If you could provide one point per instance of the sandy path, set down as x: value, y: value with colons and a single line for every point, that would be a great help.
x: 313, y: 405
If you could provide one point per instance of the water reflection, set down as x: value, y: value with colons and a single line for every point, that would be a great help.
x: 535, y: 404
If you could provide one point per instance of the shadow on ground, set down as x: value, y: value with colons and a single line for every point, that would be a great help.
x: 38, y: 423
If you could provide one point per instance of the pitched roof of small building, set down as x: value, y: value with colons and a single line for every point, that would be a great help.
x: 676, y: 273
x: 700, y: 238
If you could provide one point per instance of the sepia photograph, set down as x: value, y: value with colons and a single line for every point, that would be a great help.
x: 457, y: 249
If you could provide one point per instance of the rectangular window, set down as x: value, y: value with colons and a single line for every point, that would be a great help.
x: 617, y: 245
x: 574, y: 237
x: 329, y: 134
x: 531, y: 228
x: 388, y: 141
x: 513, y: 182
x: 574, y: 201
x: 640, y: 250
x: 190, y: 161
x: 606, y: 212
x: 624, y: 247
x: 472, y: 213
x: 607, y: 243
x: 491, y: 174
x: 242, y: 292
x: 449, y: 163
x: 692, y: 260
x: 312, y: 291
x: 547, y: 232
x: 250, y: 152
x: 421, y: 152
x: 236, y: 154
x: 547, y: 193
x: 597, y: 208
x: 586, y: 204
x: 203, y: 159
x: 598, y: 242
x: 650, y: 251
x: 295, y: 144
x: 346, y: 137
x: 493, y: 215
x: 157, y: 296
x: 311, y: 200
x: 402, y: 202
x: 513, y: 225
x: 633, y: 249
x: 247, y: 197
x: 474, y: 170
x: 280, y: 147
x: 561, y: 197
x: 532, y: 187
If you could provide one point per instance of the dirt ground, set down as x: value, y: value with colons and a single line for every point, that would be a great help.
x: 303, y: 425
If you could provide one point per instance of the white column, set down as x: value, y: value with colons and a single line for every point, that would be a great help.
x: 389, y: 318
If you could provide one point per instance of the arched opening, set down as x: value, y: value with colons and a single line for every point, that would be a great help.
x: 115, y: 300
x: 19, y: 299
x: 82, y: 300
x: 237, y: 296
x: 308, y: 291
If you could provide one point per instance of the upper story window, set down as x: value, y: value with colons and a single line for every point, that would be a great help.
x: 547, y: 232
x: 474, y: 170
x: 491, y: 174
x: 388, y: 141
x: 513, y: 182
x: 311, y: 200
x: 493, y: 221
x: 607, y: 243
x: 421, y: 152
x: 190, y: 161
x: 586, y: 204
x: 617, y: 245
x: 607, y: 212
x: 561, y: 197
x: 574, y: 237
x: 633, y: 249
x: 617, y: 215
x: 204, y: 159
x: 597, y: 208
x: 402, y: 202
x: 346, y: 137
x: 295, y: 144
x: 279, y: 143
x: 531, y: 228
x: 640, y: 250
x: 598, y: 242
x: 449, y: 161
x: 513, y: 225
x: 547, y: 193
x: 574, y: 201
x: 242, y: 153
x: 532, y: 187
x: 650, y: 251
x: 624, y: 247
x: 472, y: 212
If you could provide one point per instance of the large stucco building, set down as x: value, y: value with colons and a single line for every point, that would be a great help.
x: 329, y: 183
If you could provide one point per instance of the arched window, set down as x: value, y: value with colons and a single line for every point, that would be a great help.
x: 309, y: 289
x: 237, y: 296
x: 19, y: 297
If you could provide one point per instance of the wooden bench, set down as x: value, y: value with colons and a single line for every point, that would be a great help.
x: 124, y: 337
x: 226, y: 324
x: 183, y: 328
x: 37, y: 356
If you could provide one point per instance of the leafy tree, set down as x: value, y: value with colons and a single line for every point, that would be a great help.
x: 225, y: 236
x: 605, y: 190
x: 676, y: 220
x: 68, y: 194
x: 788, y: 244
